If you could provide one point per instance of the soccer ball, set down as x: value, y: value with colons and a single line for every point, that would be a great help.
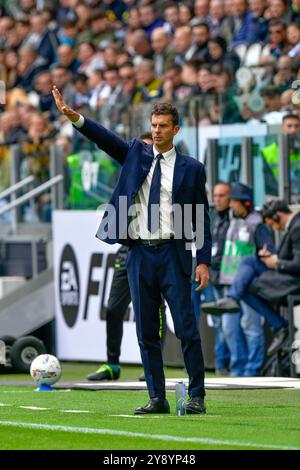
x: 45, y: 369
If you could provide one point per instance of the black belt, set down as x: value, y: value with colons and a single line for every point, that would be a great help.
x: 153, y: 242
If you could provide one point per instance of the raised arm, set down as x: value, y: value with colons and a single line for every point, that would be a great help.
x: 106, y: 140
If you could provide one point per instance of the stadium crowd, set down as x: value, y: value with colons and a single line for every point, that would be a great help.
x: 130, y: 52
x: 239, y: 59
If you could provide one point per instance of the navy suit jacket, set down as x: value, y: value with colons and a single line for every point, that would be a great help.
x: 136, y: 158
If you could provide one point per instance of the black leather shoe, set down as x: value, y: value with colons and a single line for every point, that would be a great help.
x: 195, y: 405
x: 220, y: 306
x: 155, y: 405
x: 279, y: 338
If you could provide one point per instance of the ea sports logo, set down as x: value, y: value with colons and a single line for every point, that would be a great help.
x: 69, y: 287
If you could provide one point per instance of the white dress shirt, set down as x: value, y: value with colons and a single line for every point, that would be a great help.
x: 139, y: 224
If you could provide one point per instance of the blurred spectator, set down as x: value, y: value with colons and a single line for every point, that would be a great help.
x: 293, y: 38
x: 175, y: 86
x: 245, y: 236
x: 133, y: 24
x: 140, y: 46
x: 190, y: 74
x: 204, y: 79
x: 22, y: 28
x: 61, y: 77
x: 40, y: 38
x: 42, y: 95
x: 171, y: 15
x: 67, y: 58
x: 65, y: 11
x: 271, y: 96
x: 259, y: 24
x: 278, y: 41
x: 111, y: 77
x: 11, y: 127
x: 200, y: 37
x: 236, y: 28
x: 89, y: 58
x: 6, y: 25
x: 220, y: 223
x: 286, y: 100
x: 278, y: 10
x: 67, y: 34
x: 114, y: 9
x: 83, y: 13
x: 218, y: 54
x: 216, y: 17
x: 98, y: 89
x: 149, y: 19
x: 164, y: 53
x: 149, y: 87
x: 39, y: 130
x: 30, y: 65
x: 128, y: 82
x: 185, y: 14
x: 100, y: 28
x: 110, y: 55
x: 81, y: 98
x: 183, y: 43
x: 201, y: 8
x: 123, y: 57
x: 268, y: 64
x: 285, y: 75
x: 295, y: 11
x: 9, y: 67
x: 270, y: 153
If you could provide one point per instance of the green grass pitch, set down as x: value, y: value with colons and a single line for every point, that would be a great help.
x: 104, y: 420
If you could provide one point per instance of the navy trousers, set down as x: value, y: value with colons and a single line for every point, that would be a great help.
x: 152, y: 271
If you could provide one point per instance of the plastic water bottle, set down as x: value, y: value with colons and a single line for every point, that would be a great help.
x: 180, y: 393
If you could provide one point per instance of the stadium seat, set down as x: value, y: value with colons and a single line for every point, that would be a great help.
x: 241, y: 50
x: 253, y: 55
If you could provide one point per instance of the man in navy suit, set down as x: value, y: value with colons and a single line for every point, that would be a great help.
x: 159, y: 198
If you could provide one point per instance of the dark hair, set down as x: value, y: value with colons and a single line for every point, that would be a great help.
x: 145, y: 135
x: 126, y: 64
x: 166, y: 109
x: 88, y: 43
x: 276, y: 205
x: 111, y: 69
x: 199, y: 22
x: 80, y: 77
x: 277, y: 23
x: 270, y: 91
x: 97, y: 14
x: 176, y: 67
x: 291, y: 116
x: 171, y: 5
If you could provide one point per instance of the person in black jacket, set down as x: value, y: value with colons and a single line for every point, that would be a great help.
x: 220, y: 223
x: 268, y: 278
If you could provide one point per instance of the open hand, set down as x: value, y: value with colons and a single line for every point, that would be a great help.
x: 72, y: 115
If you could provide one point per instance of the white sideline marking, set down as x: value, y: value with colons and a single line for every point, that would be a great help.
x: 146, y: 416
x: 132, y: 416
x: 39, y: 408
x: 36, y: 408
x: 76, y: 411
x: 159, y: 437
